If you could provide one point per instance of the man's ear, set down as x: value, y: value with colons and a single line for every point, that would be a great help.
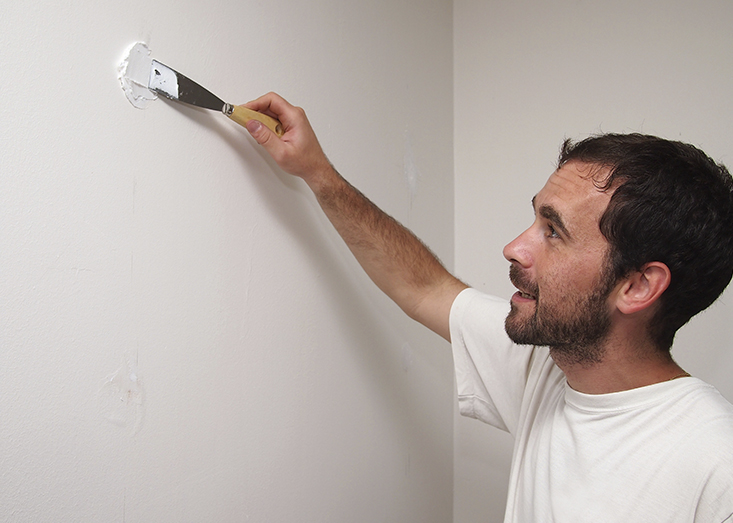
x: 641, y: 289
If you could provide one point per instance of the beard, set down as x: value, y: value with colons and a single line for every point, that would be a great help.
x: 573, y: 327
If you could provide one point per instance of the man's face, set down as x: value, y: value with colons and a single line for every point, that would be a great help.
x: 560, y: 267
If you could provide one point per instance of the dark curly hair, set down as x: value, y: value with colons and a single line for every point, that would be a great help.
x: 670, y: 203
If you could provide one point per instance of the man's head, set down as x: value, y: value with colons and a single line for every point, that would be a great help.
x: 669, y: 203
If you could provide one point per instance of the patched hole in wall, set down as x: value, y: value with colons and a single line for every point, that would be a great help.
x: 121, y: 397
x: 134, y: 72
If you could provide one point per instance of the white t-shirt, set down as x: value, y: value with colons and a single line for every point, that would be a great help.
x: 662, y: 453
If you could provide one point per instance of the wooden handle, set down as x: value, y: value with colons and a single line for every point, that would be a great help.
x: 242, y: 115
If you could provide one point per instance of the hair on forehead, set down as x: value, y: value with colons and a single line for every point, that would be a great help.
x: 597, y: 168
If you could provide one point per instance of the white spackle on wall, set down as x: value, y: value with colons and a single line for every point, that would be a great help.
x: 133, y: 72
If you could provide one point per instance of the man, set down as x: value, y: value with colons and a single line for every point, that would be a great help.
x: 632, y: 236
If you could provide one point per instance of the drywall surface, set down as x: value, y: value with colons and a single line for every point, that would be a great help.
x: 529, y: 74
x: 182, y: 335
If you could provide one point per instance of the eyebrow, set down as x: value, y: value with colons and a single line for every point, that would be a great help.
x: 553, y: 216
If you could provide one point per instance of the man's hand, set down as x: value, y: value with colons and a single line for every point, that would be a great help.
x: 297, y: 151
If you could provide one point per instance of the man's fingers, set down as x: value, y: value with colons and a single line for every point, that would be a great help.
x: 270, y: 104
x: 297, y: 152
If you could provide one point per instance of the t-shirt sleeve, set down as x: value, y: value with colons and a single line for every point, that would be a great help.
x: 491, y: 371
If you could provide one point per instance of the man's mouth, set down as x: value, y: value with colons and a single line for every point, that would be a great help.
x: 527, y: 289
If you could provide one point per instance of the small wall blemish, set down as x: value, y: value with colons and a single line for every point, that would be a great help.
x: 121, y: 396
x: 412, y: 175
x: 134, y: 72
x: 406, y: 357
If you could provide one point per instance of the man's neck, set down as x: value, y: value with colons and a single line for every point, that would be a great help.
x: 621, y: 367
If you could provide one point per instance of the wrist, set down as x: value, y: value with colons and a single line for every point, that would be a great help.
x: 323, y: 179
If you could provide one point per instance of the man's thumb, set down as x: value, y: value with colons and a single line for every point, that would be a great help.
x: 258, y: 131
x: 255, y: 129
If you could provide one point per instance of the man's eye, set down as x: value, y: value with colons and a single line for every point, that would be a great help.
x: 551, y: 232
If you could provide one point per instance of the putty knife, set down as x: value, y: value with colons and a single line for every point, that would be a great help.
x: 173, y: 85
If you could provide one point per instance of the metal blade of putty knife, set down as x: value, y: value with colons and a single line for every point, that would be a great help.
x: 175, y: 86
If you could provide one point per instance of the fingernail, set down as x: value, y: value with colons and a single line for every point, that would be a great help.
x: 253, y: 126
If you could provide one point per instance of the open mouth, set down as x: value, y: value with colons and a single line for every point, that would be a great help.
x: 520, y: 280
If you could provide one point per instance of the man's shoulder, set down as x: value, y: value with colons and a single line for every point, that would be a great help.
x: 472, y: 297
x: 706, y: 397
x: 709, y: 450
x: 475, y: 313
x: 708, y: 418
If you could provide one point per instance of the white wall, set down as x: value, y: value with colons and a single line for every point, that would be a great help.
x: 182, y: 335
x: 527, y: 75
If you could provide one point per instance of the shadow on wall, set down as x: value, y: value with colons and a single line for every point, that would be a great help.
x: 371, y: 346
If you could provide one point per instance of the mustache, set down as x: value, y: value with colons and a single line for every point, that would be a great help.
x: 521, y: 281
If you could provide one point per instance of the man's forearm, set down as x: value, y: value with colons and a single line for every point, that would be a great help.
x: 393, y: 257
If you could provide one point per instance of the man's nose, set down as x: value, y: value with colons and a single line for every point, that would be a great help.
x: 518, y: 251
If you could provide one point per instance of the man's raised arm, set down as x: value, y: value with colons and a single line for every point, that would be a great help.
x: 394, y: 258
